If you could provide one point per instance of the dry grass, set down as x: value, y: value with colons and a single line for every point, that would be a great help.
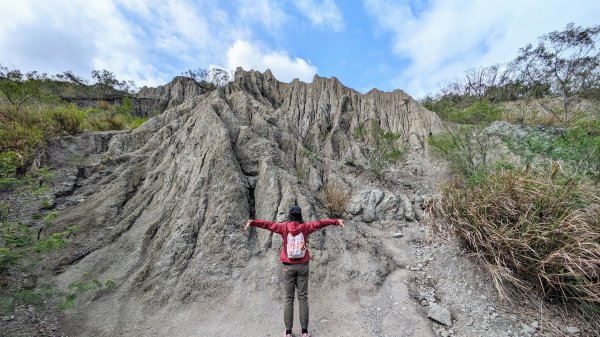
x: 103, y: 105
x: 533, y: 231
x: 336, y: 199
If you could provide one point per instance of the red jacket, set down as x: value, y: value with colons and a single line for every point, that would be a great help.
x: 283, y: 228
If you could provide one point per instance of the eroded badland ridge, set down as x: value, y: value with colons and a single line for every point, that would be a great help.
x: 161, y: 210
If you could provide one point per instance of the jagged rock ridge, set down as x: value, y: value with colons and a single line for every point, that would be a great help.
x: 156, y: 100
x: 161, y: 207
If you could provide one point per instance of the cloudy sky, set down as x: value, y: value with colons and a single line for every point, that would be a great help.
x: 413, y: 45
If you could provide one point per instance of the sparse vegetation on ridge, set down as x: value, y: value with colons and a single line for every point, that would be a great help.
x: 558, y: 73
x: 532, y: 220
x: 32, y: 110
x: 380, y: 147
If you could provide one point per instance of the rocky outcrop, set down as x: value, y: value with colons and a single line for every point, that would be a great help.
x: 161, y: 207
x: 153, y: 101
x: 324, y: 113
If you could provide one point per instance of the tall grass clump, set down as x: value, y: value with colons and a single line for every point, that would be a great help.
x: 336, y: 199
x: 533, y: 231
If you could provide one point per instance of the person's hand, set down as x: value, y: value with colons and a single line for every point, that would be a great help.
x: 341, y: 223
x: 247, y: 224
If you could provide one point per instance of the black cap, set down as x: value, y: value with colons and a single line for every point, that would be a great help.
x: 295, y: 210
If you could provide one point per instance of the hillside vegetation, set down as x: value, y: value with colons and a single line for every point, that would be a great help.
x: 524, y: 198
x: 35, y: 108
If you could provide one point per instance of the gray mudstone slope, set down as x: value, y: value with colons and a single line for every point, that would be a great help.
x: 161, y: 210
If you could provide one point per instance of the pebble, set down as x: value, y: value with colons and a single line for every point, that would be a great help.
x: 397, y: 235
x: 439, y: 314
x: 572, y: 330
x: 527, y: 329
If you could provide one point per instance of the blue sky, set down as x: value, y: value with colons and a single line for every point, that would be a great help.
x: 412, y: 45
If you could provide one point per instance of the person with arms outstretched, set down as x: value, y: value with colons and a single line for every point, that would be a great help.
x: 294, y: 257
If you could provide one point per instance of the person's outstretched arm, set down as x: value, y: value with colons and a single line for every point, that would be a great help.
x: 264, y: 224
x: 316, y: 225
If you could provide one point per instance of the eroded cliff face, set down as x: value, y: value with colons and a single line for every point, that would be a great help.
x: 323, y: 114
x: 161, y: 208
x: 153, y: 101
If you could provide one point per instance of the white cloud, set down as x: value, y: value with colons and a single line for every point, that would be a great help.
x: 322, y: 14
x: 265, y: 12
x: 448, y: 37
x: 146, y: 41
x: 72, y: 35
x: 244, y: 54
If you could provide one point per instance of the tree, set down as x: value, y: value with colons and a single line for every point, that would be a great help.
x: 218, y: 77
x: 107, y: 80
x: 215, y: 76
x: 70, y: 77
x: 567, y: 61
x: 18, y: 88
x: 198, y: 75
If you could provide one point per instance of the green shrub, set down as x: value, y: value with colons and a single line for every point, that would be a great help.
x: 67, y: 120
x: 31, y: 297
x: 381, y: 147
x: 69, y: 302
x: 458, y: 110
x: 15, y: 235
x: 9, y: 162
x: 578, y: 148
x: 109, y: 284
x: 104, y: 121
x: 126, y: 107
x: 28, y: 129
x: 311, y: 156
x: 56, y: 241
x: 87, y: 285
x: 22, y: 138
x: 4, y: 211
x: 129, y: 121
x: 7, y: 305
x: 478, y: 112
x: 7, y: 257
x: 467, y: 149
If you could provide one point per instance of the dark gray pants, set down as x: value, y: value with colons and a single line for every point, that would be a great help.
x: 295, y: 276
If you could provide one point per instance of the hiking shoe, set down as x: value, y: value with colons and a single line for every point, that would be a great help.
x: 287, y: 334
x: 306, y: 334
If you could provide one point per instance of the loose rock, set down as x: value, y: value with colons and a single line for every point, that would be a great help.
x: 439, y: 314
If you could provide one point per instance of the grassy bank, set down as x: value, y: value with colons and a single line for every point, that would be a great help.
x: 531, y: 218
x: 28, y: 129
